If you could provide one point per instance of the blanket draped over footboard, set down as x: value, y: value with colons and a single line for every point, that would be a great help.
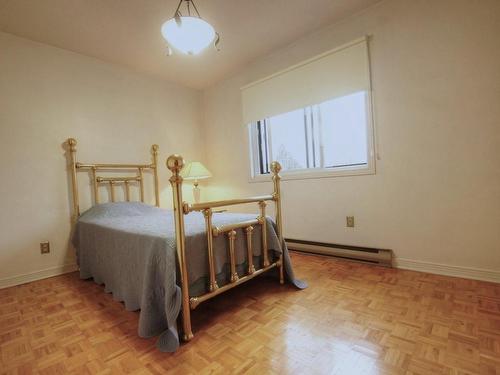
x: 130, y: 247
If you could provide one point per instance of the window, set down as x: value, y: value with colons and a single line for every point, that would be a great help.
x: 328, y: 138
x: 313, y: 117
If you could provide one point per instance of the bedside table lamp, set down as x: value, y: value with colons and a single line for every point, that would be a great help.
x: 195, y: 171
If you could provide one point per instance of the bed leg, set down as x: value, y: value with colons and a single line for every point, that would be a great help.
x: 187, y: 334
x: 74, y: 183
x: 282, y: 276
x: 263, y: 224
x: 175, y: 164
x: 154, y: 151
x: 275, y: 169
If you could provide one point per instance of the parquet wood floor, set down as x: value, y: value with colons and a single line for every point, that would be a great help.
x: 353, y: 319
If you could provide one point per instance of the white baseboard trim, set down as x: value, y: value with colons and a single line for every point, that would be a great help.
x: 407, y: 264
x: 444, y: 269
x: 38, y: 275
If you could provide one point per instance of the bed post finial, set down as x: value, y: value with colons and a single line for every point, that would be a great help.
x: 154, y: 151
x: 275, y: 169
x: 175, y: 163
x: 74, y: 184
x: 72, y: 144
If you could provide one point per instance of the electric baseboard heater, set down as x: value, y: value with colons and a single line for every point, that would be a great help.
x: 381, y: 257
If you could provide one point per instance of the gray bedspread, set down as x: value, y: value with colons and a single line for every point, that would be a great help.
x: 130, y: 247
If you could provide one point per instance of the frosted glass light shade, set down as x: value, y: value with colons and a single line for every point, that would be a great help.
x: 195, y: 171
x: 191, y: 36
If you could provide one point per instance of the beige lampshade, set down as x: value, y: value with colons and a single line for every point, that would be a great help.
x: 195, y: 171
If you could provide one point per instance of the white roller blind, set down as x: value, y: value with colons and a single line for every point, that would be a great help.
x: 333, y: 74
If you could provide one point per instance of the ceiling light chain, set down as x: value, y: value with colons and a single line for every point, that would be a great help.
x: 188, y: 2
x: 189, y: 34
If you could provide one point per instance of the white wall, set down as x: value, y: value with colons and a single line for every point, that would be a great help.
x: 47, y: 95
x: 435, y: 197
x: 436, y: 194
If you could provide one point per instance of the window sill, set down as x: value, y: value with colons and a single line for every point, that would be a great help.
x: 315, y: 173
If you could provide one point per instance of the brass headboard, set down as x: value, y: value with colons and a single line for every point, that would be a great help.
x: 98, y: 180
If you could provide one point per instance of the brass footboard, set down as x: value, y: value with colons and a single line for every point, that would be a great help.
x: 181, y: 208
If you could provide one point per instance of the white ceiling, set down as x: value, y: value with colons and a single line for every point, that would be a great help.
x: 127, y: 32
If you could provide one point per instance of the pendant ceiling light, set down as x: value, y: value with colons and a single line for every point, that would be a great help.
x: 188, y: 33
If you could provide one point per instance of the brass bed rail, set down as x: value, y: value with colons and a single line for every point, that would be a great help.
x: 111, y: 181
x: 230, y: 202
x: 175, y: 163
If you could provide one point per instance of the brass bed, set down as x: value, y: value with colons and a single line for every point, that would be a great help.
x: 175, y: 163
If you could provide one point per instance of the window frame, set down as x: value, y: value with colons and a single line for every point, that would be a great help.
x: 313, y: 173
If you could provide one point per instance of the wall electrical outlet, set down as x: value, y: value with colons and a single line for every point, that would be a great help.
x: 44, y: 247
x: 349, y: 221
